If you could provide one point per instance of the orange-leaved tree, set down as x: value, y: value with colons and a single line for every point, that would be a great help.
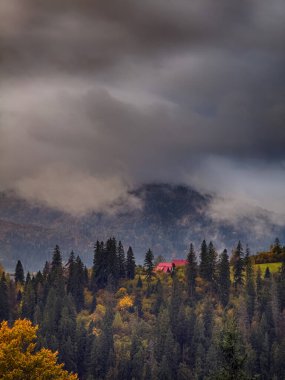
x: 20, y: 360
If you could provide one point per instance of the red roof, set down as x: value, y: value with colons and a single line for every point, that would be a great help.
x: 167, y: 267
x: 179, y: 263
x: 164, y: 267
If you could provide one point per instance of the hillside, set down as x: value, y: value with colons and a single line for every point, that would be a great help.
x: 170, y: 218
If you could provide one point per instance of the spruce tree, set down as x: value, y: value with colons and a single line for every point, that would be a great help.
x: 56, y: 274
x: 249, y: 285
x: 148, y: 264
x: 211, y: 263
x: 204, y: 260
x: 29, y: 300
x: 97, y: 280
x: 121, y: 260
x: 191, y: 271
x: 19, y: 273
x: 238, y: 265
x: 131, y: 264
x: 233, y: 354
x: 223, y: 278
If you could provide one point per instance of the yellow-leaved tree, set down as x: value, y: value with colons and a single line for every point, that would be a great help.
x: 20, y: 360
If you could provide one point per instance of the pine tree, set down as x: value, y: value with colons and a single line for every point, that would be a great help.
x: 148, y: 263
x: 191, y: 271
x: 29, y: 299
x: 204, y: 260
x: 211, y: 263
x: 19, y: 273
x: 76, y: 280
x: 56, y: 273
x: 223, y: 278
x: 249, y: 285
x: 121, y: 260
x: 112, y: 261
x: 131, y: 264
x: 276, y: 249
x: 232, y: 353
x: 65, y: 334
x: 238, y: 265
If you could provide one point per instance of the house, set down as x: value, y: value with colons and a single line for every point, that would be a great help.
x: 167, y: 267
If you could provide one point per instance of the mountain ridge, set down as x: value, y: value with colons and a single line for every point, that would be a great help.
x: 170, y: 218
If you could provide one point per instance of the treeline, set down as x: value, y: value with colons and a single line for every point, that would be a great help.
x: 274, y: 255
x: 216, y: 318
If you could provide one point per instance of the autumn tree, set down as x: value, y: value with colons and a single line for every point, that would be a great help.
x: 19, y: 358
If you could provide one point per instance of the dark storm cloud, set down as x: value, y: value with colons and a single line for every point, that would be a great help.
x: 114, y: 93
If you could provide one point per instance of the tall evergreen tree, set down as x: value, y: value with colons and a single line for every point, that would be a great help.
x: 249, y: 285
x: 232, y: 353
x: 121, y: 260
x: 19, y: 273
x: 76, y: 280
x: 148, y: 264
x: 211, y: 263
x: 223, y: 278
x: 98, y: 275
x: 56, y: 273
x: 204, y: 260
x: 191, y: 271
x: 29, y: 300
x: 131, y: 264
x: 238, y: 265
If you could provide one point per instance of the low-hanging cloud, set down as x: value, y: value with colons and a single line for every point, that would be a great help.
x: 99, y: 96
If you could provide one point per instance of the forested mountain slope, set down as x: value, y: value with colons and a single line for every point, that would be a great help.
x: 170, y: 217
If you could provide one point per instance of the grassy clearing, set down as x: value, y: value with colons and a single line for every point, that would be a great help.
x: 273, y: 267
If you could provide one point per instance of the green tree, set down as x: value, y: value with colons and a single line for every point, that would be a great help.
x: 148, y: 264
x: 204, y: 260
x: 211, y: 263
x: 20, y: 360
x: 223, y: 278
x: 249, y: 285
x: 29, y: 300
x: 121, y: 260
x: 191, y: 271
x: 233, y: 356
x: 131, y: 264
x: 19, y: 273
x: 238, y: 266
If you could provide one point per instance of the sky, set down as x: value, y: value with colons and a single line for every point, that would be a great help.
x: 98, y: 97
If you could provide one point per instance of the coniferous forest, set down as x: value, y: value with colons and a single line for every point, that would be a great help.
x: 218, y: 317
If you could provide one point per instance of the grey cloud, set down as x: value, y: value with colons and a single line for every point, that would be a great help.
x: 119, y: 93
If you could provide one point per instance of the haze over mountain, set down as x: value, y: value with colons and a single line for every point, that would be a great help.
x: 100, y: 98
x: 168, y: 219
